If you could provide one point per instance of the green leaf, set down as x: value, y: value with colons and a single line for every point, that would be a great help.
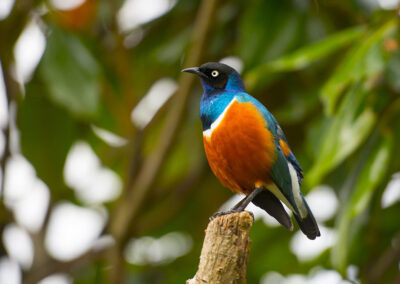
x: 347, y: 130
x: 267, y: 29
x: 393, y: 72
x: 371, y: 176
x: 71, y: 74
x: 305, y: 56
x: 47, y: 133
x: 364, y: 59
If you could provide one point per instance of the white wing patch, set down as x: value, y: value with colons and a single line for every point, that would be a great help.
x: 296, y: 192
x: 215, y: 124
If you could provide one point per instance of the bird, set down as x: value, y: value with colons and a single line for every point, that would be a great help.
x: 247, y: 149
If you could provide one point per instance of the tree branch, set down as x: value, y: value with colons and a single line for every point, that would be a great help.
x: 383, y: 263
x: 225, y: 250
x: 130, y: 205
x: 10, y: 28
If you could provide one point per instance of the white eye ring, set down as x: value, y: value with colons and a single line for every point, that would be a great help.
x: 214, y: 73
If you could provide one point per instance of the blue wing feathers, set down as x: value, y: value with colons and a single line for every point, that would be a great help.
x: 280, y: 173
x: 275, y: 129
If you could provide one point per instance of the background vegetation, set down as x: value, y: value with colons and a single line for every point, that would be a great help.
x: 81, y: 128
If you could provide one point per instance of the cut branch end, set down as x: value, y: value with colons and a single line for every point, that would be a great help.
x: 225, y: 250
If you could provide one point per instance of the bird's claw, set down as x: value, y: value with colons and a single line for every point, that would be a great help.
x: 222, y: 213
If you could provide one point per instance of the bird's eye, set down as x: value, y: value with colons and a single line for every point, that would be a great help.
x: 214, y: 73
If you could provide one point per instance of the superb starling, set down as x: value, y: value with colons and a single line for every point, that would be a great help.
x: 247, y: 149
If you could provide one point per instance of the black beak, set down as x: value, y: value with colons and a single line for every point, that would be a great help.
x: 194, y: 70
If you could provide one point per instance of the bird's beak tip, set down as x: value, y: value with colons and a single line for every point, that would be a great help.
x: 194, y: 70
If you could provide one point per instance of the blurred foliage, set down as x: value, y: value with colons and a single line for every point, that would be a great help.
x: 328, y: 70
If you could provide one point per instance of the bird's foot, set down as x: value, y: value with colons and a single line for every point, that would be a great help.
x: 222, y: 213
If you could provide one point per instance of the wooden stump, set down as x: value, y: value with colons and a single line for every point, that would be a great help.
x: 225, y: 250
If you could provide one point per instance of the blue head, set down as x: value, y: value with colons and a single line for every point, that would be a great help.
x: 220, y: 83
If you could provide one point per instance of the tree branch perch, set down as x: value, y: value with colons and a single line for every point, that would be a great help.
x: 225, y: 250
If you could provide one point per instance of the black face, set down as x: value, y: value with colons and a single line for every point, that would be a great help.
x: 214, y: 74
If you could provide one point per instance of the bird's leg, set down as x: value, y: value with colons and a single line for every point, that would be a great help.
x: 241, y: 205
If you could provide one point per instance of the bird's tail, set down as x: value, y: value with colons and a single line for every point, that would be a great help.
x: 271, y: 204
x: 308, y: 225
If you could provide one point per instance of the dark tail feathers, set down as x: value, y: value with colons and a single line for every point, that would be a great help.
x: 267, y: 201
x: 308, y: 225
x: 271, y: 204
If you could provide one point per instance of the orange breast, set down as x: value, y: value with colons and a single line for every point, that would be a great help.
x: 240, y: 150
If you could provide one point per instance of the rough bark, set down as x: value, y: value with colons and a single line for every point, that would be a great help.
x: 225, y: 250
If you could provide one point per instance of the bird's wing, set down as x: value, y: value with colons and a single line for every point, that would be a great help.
x: 276, y: 130
x: 285, y: 171
x: 286, y: 175
x: 289, y: 155
x: 285, y: 178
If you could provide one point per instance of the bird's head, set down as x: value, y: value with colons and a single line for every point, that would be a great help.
x: 217, y: 76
